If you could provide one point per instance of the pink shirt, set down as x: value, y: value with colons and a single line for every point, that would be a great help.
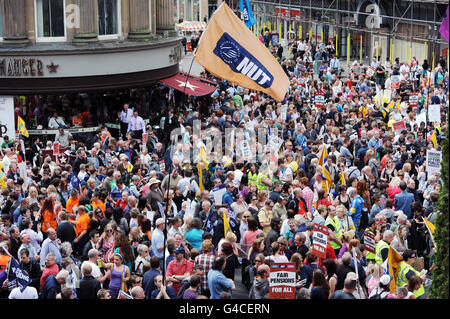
x: 308, y: 196
x: 250, y: 236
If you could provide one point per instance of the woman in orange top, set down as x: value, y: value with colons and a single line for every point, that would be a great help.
x: 48, y: 215
x: 72, y: 204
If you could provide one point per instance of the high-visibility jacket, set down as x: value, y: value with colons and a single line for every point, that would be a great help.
x: 378, y: 248
x: 259, y: 183
x: 402, y: 280
x: 252, y: 177
x: 337, y: 230
x: 370, y: 255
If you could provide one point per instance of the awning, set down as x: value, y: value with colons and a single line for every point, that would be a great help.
x: 192, y: 26
x: 193, y: 86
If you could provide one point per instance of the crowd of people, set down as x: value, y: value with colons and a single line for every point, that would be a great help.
x: 133, y: 216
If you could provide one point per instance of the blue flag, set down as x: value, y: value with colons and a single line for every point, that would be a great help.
x: 17, y: 277
x: 209, y: 226
x: 74, y: 181
x: 246, y: 10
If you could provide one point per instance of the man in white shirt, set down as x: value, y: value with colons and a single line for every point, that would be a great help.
x: 62, y: 137
x: 56, y: 122
x: 335, y: 63
x: 125, y: 118
x: 28, y: 293
x: 136, y: 126
x: 96, y: 273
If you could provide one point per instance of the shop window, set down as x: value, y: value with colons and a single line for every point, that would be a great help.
x: 50, y: 22
x: 109, y: 16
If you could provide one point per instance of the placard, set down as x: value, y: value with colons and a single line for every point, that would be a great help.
x: 370, y: 71
x: 283, y: 114
x: 320, y: 237
x: 275, y: 143
x: 144, y: 138
x: 319, y: 99
x: 413, y: 99
x: 245, y: 149
x: 217, y: 193
x: 282, y: 281
x: 422, y: 117
x: 7, y: 124
x: 434, y: 113
x: 395, y: 82
x: 433, y: 161
x: 369, y: 242
x: 55, y: 148
x: 398, y: 127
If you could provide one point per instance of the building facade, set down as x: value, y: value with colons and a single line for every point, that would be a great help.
x: 402, y: 28
x: 50, y: 46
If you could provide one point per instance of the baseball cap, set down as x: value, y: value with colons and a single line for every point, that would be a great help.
x: 179, y: 250
x: 385, y: 279
x: 159, y: 221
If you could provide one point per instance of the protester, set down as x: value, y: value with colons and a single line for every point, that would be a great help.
x: 120, y: 204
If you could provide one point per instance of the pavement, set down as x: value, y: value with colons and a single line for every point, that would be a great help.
x: 241, y: 291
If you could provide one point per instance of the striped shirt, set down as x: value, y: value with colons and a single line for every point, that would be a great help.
x: 206, y: 260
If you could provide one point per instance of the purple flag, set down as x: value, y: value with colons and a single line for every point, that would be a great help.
x: 443, y: 30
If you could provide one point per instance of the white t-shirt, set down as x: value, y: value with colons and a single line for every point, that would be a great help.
x: 29, y: 293
x: 96, y: 273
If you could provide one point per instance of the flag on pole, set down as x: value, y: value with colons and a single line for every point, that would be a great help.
x: 246, y: 9
x: 443, y: 30
x: 203, y: 157
x: 17, y: 277
x: 200, y: 177
x: 226, y: 225
x: 229, y: 50
x: 433, y: 139
x: 391, y: 267
x: 21, y: 127
x: 341, y: 176
x: 326, y: 172
x: 431, y: 228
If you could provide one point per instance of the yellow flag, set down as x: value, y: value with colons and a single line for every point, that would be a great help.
x: 392, y: 267
x: 226, y: 225
x: 200, y: 177
x: 229, y: 50
x: 341, y: 175
x: 326, y: 173
x: 203, y: 157
x: 431, y: 228
x: 21, y: 126
x: 433, y: 139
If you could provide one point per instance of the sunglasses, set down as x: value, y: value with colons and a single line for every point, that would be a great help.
x: 109, y: 231
x: 245, y: 216
x: 257, y: 261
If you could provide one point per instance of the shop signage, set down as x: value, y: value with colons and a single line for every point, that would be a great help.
x: 22, y: 67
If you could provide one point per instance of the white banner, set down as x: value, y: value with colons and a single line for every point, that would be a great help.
x: 434, y: 113
x: 7, y: 125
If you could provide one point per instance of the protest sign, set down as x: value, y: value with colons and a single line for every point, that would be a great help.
x: 55, y: 148
x: 283, y: 114
x: 434, y: 113
x: 275, y: 143
x: 320, y: 237
x: 369, y: 242
x: 218, y: 192
x: 395, y: 82
x: 282, y: 281
x: 398, y: 127
x: 245, y: 149
x: 319, y: 99
x: 17, y: 277
x: 433, y: 161
x: 124, y: 295
x: 413, y: 99
x: 370, y: 71
x: 144, y: 138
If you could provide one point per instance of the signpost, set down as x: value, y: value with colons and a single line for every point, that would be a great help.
x: 282, y: 281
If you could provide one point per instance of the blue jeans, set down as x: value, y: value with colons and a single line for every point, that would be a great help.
x: 357, y: 223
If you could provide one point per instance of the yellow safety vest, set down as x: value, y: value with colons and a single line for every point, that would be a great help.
x: 370, y: 255
x: 2, y: 180
x: 337, y: 229
x: 252, y: 178
x: 378, y: 248
x: 402, y: 280
x: 259, y: 183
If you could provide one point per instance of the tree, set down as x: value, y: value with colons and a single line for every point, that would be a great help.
x: 439, y: 287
